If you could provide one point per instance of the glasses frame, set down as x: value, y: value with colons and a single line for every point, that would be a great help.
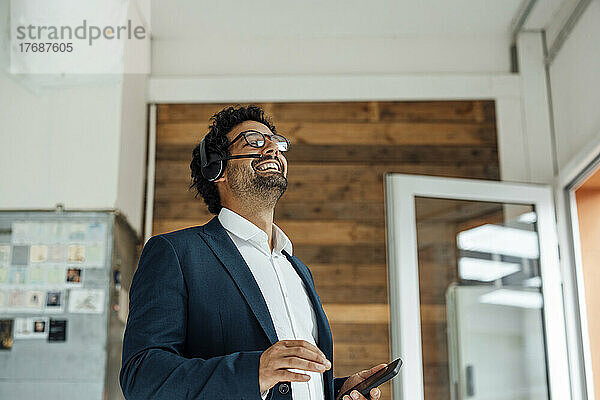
x: 270, y: 137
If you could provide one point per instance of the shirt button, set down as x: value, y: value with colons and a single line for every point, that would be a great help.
x: 284, y: 388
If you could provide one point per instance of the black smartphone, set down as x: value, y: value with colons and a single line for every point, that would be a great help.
x: 378, y: 378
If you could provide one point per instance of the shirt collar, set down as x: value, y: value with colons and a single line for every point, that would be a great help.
x: 246, y: 230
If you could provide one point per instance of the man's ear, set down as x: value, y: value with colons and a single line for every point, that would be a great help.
x: 223, y: 177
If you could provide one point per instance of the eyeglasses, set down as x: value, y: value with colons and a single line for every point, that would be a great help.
x: 257, y: 140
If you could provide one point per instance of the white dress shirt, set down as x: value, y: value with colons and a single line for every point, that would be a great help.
x: 283, y: 290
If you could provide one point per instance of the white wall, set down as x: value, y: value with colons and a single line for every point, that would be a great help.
x: 58, y: 146
x: 82, y: 146
x: 309, y: 55
x: 132, y: 149
x: 575, y: 83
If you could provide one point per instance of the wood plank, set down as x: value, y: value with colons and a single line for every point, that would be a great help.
x: 357, y: 313
x: 433, y: 313
x: 296, y: 192
x: 199, y: 113
x: 378, y: 154
x: 452, y: 211
x: 347, y: 133
x: 362, y: 353
x: 358, y: 333
x: 306, y: 232
x: 357, y: 293
x: 371, y: 155
x: 349, y: 274
x: 354, y: 254
x: 179, y: 171
x: 334, y: 210
x: 434, y: 340
x: 341, y: 210
x: 436, y: 374
x: 333, y: 232
x: 455, y: 111
x: 321, y: 111
x: 343, y: 112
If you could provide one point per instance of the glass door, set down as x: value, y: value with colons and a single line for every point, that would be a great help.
x: 475, y: 290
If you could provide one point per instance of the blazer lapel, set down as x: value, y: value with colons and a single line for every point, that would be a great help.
x: 218, y: 240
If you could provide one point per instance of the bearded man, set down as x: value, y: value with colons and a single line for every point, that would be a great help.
x: 225, y: 310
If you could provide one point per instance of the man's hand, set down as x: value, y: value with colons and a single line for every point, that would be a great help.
x: 297, y: 354
x: 356, y: 379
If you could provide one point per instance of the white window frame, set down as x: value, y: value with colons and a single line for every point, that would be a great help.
x: 571, y: 177
x: 405, y: 318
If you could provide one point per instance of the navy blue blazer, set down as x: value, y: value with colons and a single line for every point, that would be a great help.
x: 198, y: 322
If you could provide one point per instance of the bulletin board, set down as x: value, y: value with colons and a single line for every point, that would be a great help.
x: 55, y: 287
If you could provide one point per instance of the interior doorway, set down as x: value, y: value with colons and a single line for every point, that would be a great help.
x: 587, y: 198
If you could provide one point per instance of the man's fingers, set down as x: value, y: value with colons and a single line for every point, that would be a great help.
x: 378, y: 367
x: 355, y: 395
x: 375, y: 393
x: 368, y: 372
x: 305, y: 353
x: 289, y: 376
x: 305, y: 344
x: 300, y: 363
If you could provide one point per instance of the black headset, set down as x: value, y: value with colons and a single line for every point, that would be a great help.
x: 212, y: 164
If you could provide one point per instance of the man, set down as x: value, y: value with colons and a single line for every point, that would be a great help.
x: 224, y: 310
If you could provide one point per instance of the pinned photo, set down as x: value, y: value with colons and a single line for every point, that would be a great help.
x: 38, y: 253
x: 74, y: 276
x: 16, y: 298
x: 86, y: 301
x: 94, y: 255
x: 76, y: 253
x: 31, y: 328
x: 17, y: 276
x: 54, y: 301
x: 6, y: 334
x: 34, y: 300
x: 36, y: 275
x: 58, y: 330
x: 56, y: 275
x: 57, y: 253
x: 3, y: 274
x: 4, y: 256
x: 20, y: 255
x: 39, y: 326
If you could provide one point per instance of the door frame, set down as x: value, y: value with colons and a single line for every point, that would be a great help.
x: 570, y: 178
x: 405, y: 318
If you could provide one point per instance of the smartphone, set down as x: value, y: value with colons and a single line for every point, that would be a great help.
x: 378, y: 378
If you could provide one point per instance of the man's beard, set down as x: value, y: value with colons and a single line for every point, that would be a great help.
x: 263, y: 190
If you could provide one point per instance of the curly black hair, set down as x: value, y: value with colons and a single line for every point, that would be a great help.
x: 220, y: 124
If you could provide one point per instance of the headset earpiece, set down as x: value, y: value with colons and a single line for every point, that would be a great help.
x: 211, y: 164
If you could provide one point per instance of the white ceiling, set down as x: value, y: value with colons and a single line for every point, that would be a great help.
x: 188, y: 19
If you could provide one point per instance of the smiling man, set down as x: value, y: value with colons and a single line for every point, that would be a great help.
x: 225, y: 310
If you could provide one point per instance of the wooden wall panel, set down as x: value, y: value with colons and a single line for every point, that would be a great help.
x: 333, y: 210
